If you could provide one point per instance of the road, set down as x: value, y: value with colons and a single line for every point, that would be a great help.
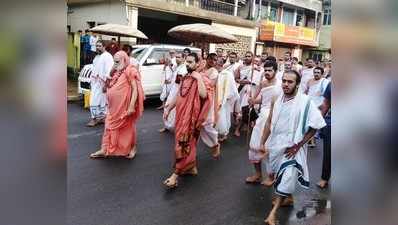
x: 122, y: 192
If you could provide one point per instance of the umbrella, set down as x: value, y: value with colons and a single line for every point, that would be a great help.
x: 200, y: 32
x: 118, y: 30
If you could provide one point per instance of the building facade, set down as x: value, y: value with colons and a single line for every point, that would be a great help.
x: 156, y: 17
x: 288, y: 25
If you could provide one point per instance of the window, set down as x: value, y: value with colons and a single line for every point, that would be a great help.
x: 288, y: 16
x: 157, y: 56
x: 300, y: 18
x: 274, y: 13
x: 327, y: 16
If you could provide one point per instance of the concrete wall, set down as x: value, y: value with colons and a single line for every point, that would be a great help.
x: 246, y: 36
x: 102, y: 12
x: 325, y: 37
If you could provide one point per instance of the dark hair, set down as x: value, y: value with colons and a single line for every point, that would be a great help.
x: 193, y: 54
x: 290, y: 54
x: 300, y: 63
x: 86, y: 30
x: 233, y: 53
x: 271, y: 58
x: 264, y: 53
x: 212, y: 56
x: 298, y: 76
x: 249, y: 52
x: 187, y: 49
x: 320, y: 68
x: 79, y: 31
x: 127, y: 48
x: 273, y: 64
x: 102, y: 42
x: 113, y: 39
x: 295, y: 58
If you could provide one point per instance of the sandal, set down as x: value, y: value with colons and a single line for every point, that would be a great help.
x: 98, y: 154
x: 132, y: 153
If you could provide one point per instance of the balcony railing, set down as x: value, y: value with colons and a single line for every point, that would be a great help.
x: 210, y: 5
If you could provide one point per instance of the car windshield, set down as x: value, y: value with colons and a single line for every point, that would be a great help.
x: 139, y: 53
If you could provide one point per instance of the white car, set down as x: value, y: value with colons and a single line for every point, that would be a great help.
x: 151, y: 62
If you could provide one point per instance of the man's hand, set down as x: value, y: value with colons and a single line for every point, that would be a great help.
x: 196, y: 75
x: 130, y: 111
x: 165, y: 114
x: 292, y: 151
x: 263, y: 151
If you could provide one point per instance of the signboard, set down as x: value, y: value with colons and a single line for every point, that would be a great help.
x: 272, y: 31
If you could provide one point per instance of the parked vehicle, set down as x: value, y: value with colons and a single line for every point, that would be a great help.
x: 151, y: 61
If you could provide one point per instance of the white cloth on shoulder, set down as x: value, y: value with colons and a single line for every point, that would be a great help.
x: 291, y: 120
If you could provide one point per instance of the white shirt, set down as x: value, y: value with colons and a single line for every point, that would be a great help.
x: 93, y: 42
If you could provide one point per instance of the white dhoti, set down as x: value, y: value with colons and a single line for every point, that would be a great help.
x: 169, y: 124
x: 102, y: 65
x: 97, y: 99
x: 227, y: 94
x: 209, y: 134
x: 266, y: 94
x: 290, y: 122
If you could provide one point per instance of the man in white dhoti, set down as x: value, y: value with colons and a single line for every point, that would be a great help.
x: 293, y: 120
x: 307, y: 74
x: 227, y: 94
x: 209, y: 134
x: 315, y: 89
x: 270, y: 89
x: 102, y: 65
x: 244, y: 76
x: 168, y: 71
x: 232, y: 63
x: 180, y: 71
x: 316, y: 86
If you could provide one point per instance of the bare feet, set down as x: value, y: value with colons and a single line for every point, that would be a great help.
x: 255, y: 179
x: 271, y: 220
x: 171, y: 182
x: 132, y: 153
x: 92, y: 123
x: 268, y: 182
x: 322, y: 184
x: 98, y: 154
x: 193, y: 171
x: 100, y: 121
x: 287, y: 202
x: 162, y: 130
x: 216, y: 151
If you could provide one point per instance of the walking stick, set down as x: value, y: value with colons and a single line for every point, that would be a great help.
x: 248, y: 120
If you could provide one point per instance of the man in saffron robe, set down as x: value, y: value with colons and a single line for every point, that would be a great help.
x: 192, y: 108
x: 125, y: 105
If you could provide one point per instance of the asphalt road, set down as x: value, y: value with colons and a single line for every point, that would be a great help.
x: 122, y: 192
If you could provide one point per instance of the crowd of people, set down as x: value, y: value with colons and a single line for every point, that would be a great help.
x: 281, y: 106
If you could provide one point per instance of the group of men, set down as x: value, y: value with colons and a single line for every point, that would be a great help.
x: 280, y: 110
x: 284, y: 108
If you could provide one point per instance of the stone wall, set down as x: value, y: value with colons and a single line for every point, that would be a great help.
x: 241, y: 47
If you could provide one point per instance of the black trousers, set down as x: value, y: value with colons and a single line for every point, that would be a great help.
x: 326, y: 162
